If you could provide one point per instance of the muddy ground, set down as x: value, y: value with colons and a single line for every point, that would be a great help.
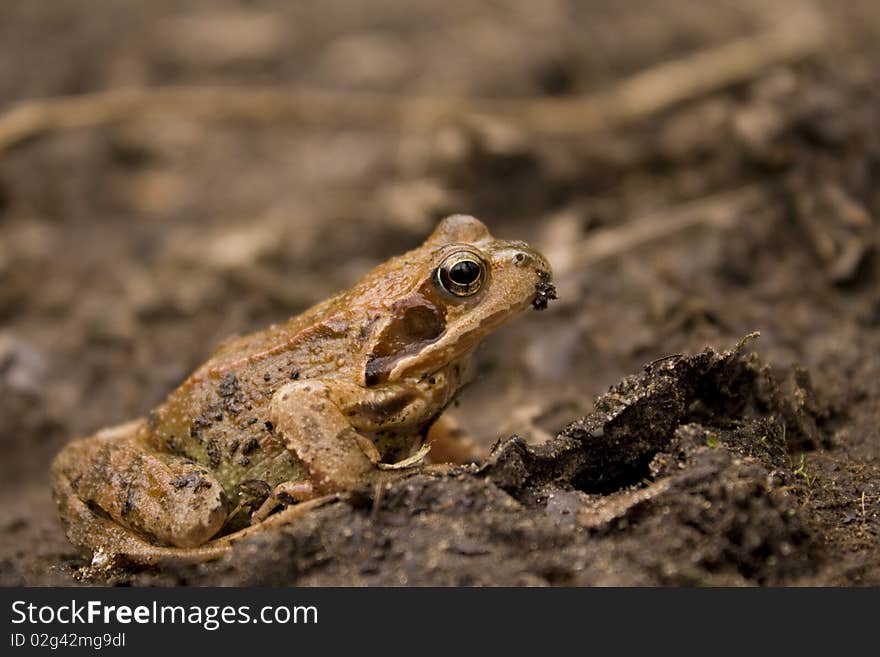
x: 128, y: 251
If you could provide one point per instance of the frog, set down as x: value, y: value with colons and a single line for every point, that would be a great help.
x: 338, y: 399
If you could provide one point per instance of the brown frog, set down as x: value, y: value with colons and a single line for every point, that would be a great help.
x: 336, y: 399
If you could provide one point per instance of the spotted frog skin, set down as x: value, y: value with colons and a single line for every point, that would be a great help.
x: 336, y: 399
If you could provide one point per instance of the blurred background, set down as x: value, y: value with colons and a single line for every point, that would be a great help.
x: 681, y: 205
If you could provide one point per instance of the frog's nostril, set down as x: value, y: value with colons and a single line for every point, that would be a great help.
x: 520, y: 259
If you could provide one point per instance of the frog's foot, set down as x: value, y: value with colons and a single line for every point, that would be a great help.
x: 451, y: 444
x: 372, y: 453
x: 118, y: 546
x: 285, y: 494
x: 115, y: 493
x: 409, y: 462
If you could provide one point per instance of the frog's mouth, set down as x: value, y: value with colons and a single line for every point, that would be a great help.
x: 545, y: 292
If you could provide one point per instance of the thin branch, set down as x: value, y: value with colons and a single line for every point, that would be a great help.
x: 631, y: 100
x: 717, y: 210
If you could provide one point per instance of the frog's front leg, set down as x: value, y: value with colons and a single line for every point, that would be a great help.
x: 160, y: 497
x: 332, y: 442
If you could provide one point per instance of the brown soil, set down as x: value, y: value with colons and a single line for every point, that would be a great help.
x: 128, y: 251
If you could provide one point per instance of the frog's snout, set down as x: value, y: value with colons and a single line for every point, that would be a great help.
x: 527, y: 257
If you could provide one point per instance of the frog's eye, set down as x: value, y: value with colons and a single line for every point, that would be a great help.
x: 461, y: 273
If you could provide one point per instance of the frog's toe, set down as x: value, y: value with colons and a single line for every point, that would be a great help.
x: 285, y: 494
x: 409, y: 461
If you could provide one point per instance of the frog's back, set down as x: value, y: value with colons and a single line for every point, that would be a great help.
x: 219, y: 415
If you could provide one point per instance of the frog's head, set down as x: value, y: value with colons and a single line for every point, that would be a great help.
x: 461, y: 285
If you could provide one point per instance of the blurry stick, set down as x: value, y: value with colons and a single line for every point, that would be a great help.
x: 631, y: 100
x: 719, y: 210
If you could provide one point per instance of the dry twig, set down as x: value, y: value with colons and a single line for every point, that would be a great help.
x: 631, y: 100
x: 716, y: 210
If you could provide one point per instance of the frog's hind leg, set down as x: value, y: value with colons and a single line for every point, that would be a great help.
x: 118, y: 495
x: 108, y: 541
